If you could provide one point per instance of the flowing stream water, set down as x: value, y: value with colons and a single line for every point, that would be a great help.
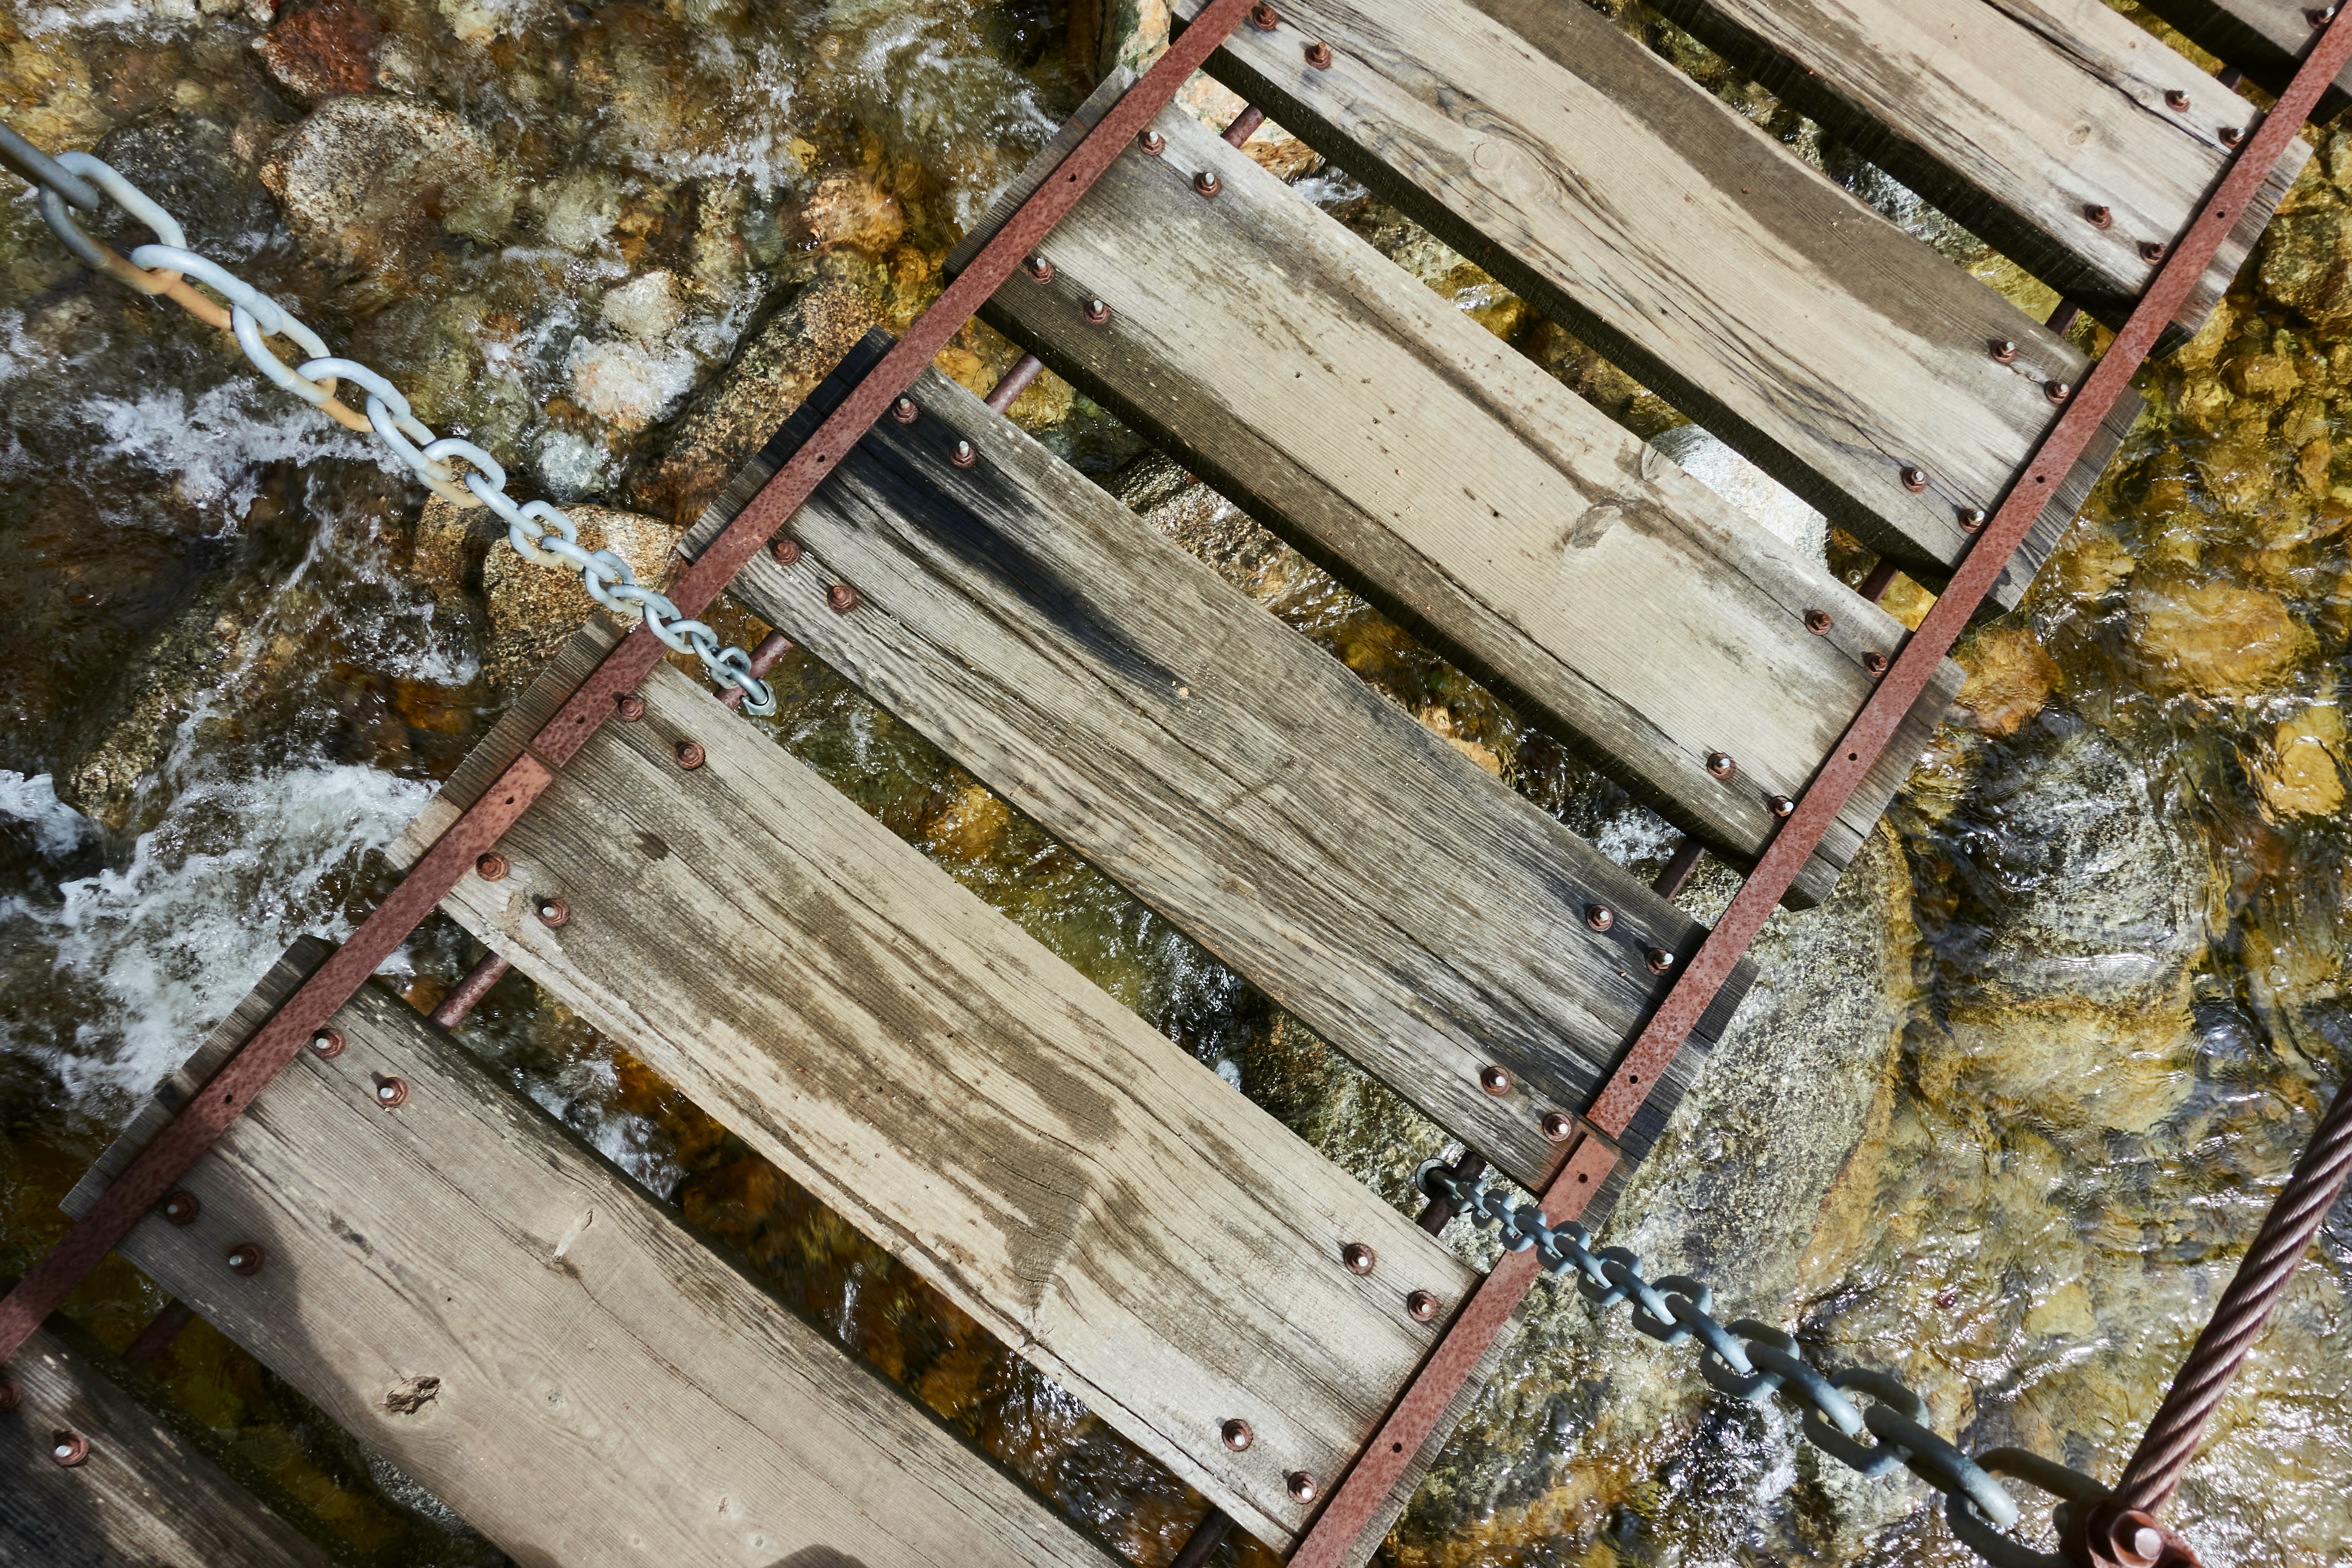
x: 1997, y: 1118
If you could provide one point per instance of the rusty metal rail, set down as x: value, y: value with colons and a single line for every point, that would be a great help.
x: 208, y: 1113
x: 1333, y: 1540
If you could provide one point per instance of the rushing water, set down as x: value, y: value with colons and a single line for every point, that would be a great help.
x: 1996, y: 1119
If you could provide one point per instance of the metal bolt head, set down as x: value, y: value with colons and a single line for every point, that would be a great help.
x: 1818, y: 622
x: 787, y: 552
x: 2099, y: 217
x: 1659, y: 960
x: 2230, y: 135
x: 1263, y: 18
x: 1420, y: 1306
x: 1301, y: 1486
x: 1874, y: 662
x: 1097, y: 312
x: 1358, y: 1257
x: 1972, y: 518
x: 391, y: 1092
x: 2151, y: 251
x: 1318, y: 55
x: 963, y: 457
x: 1557, y: 1126
x: 1152, y: 143
x: 2005, y: 351
x: 1207, y: 183
x: 67, y: 1449
x: 1600, y: 917
x: 1494, y: 1081
x: 1781, y: 805
x: 554, y: 912
x: 492, y: 866
x: 1720, y: 765
x: 690, y: 754
x: 2175, y: 99
x: 1237, y: 1434
x: 182, y: 1208
x: 245, y: 1258
x: 326, y: 1043
x: 1915, y: 480
x: 841, y: 597
x: 630, y: 706
x: 1040, y: 268
x: 2057, y: 391
x: 904, y: 411
x: 2321, y: 17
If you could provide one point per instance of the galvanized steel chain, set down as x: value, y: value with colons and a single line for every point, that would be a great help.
x: 539, y: 533
x: 1752, y: 1361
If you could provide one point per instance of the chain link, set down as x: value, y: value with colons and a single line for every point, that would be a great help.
x: 1751, y: 1360
x: 539, y: 533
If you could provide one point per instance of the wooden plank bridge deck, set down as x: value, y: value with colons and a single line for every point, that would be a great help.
x: 487, y: 1303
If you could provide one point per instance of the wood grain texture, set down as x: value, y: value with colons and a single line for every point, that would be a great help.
x: 1440, y: 473
x: 1620, y: 196
x: 145, y: 1496
x: 608, y: 1390
x: 2015, y: 117
x: 1413, y: 911
x: 1097, y: 1198
x: 2264, y: 38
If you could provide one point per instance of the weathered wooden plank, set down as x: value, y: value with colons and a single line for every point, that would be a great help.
x: 1414, y: 912
x: 143, y: 1494
x: 1064, y: 1172
x: 2016, y: 117
x: 1617, y: 195
x: 481, y: 1298
x: 2264, y: 38
x: 1446, y: 478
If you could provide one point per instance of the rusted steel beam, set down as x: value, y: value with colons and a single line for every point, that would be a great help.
x: 1333, y: 1540
x: 143, y: 1353
x: 1678, y: 868
x: 178, y: 1146
x: 467, y: 993
x: 765, y: 657
x: 1016, y: 381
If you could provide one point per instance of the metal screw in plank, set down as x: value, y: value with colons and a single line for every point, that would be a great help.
x: 1818, y: 622
x: 841, y: 597
x: 2100, y: 216
x: 1038, y: 267
x: 2005, y: 350
x: 1421, y: 1307
x: 2230, y: 135
x: 1494, y: 1081
x: 67, y: 1449
x: 1097, y: 312
x: 1237, y: 1434
x: 327, y: 1043
x: 1659, y: 960
x: 246, y: 1258
x: 1874, y: 662
x: 1915, y: 480
x: 2057, y: 391
x: 904, y: 411
x: 1359, y: 1259
x: 492, y: 866
x: 1318, y: 55
x: 1779, y: 806
x: 1207, y: 183
x: 787, y: 552
x: 1600, y: 917
x: 1971, y: 518
x: 1152, y: 143
x: 554, y: 912
x: 1557, y: 1126
x: 1720, y: 765
x: 629, y: 707
x: 182, y: 1208
x: 1264, y: 17
x: 688, y: 754
x: 391, y: 1093
x: 965, y: 456
x: 2151, y: 251
x: 2175, y: 99
x: 1300, y: 1485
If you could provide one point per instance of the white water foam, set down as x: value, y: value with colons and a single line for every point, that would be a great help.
x: 217, y: 446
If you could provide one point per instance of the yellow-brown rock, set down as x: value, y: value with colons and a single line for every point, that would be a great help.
x: 2212, y: 639
x: 2304, y: 773
x: 2010, y: 677
x: 848, y: 209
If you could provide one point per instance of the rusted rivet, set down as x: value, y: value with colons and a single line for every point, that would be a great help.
x: 245, y: 1258
x: 2101, y: 217
x: 391, y: 1092
x: 2150, y: 251
x: 68, y: 1448
x: 1494, y: 1081
x: 1318, y: 55
x: 1818, y: 622
x: 182, y: 1208
x: 1152, y: 143
x: 1263, y: 18
x: 553, y: 911
x: 631, y: 707
x: 2230, y: 135
x: 1874, y: 662
x: 1300, y: 1485
x: 326, y: 1043
x: 1557, y: 1126
x: 2321, y: 17
x: 2175, y: 99
x: 2057, y: 391
x: 1097, y: 312
x: 1237, y: 1434
x: 1600, y: 917
x: 1420, y: 1306
x: 1720, y: 765
x: 10, y: 1395
x: 841, y: 597
x: 1659, y: 960
x: 1207, y: 183
x: 492, y: 866
x: 1972, y: 518
x: 2005, y: 350
x: 963, y: 457
x: 1781, y: 805
x: 787, y: 552
x: 1040, y: 268
x: 1915, y: 480
x: 690, y: 754
x: 1358, y: 1257
x: 904, y: 411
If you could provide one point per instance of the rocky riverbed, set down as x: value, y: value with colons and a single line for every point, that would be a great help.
x: 1996, y: 1118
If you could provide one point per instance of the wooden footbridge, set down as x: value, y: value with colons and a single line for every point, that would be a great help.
x: 484, y: 1301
